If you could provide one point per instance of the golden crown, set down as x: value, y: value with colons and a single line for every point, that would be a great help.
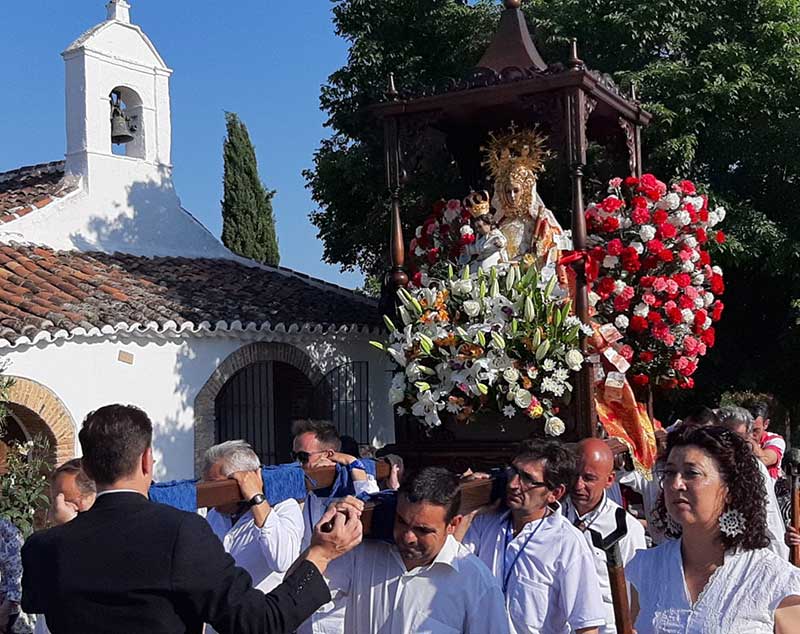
x: 477, y: 203
x: 512, y: 149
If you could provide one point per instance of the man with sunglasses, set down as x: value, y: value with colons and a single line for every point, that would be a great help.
x: 543, y: 564
x: 317, y: 444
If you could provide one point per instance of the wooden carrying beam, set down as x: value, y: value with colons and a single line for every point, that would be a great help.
x: 474, y: 494
x: 227, y: 491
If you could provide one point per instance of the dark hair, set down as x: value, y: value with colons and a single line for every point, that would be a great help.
x: 113, y: 437
x: 323, y: 431
x: 758, y: 408
x: 560, y: 466
x: 700, y: 417
x: 84, y: 483
x: 435, y: 485
x: 739, y: 471
x: 350, y: 446
x: 488, y: 219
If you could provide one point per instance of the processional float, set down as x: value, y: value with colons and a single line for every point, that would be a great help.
x: 568, y: 105
x: 511, y: 87
x: 494, y: 123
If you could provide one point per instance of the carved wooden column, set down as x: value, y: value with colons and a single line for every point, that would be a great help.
x: 576, y: 111
x: 633, y: 138
x: 394, y: 177
x: 633, y: 134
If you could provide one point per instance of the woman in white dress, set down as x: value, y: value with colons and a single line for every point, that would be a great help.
x: 717, y: 576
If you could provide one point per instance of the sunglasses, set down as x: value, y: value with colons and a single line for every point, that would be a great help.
x: 527, y: 481
x: 303, y: 457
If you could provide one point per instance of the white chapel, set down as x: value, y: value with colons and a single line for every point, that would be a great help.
x: 110, y: 291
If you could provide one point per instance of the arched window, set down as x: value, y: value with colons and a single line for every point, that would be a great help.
x: 126, y: 122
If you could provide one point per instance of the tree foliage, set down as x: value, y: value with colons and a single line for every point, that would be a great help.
x: 721, y: 78
x: 248, y: 224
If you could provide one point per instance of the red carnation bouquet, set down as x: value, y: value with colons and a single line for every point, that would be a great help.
x: 442, y: 238
x: 650, y: 274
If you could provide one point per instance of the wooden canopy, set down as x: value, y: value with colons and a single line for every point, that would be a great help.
x: 512, y: 83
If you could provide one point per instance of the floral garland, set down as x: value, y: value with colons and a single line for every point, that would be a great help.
x: 651, y: 276
x: 503, y: 341
x: 441, y: 238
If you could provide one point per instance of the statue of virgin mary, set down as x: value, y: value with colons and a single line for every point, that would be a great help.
x: 513, y: 160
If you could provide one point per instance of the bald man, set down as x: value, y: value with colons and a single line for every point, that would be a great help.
x: 590, y: 509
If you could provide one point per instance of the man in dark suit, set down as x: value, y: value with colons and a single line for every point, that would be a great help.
x: 132, y: 566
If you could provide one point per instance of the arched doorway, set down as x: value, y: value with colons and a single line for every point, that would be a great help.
x: 261, y: 388
x: 34, y: 410
x: 259, y: 403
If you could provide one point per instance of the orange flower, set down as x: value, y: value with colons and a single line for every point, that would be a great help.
x: 446, y: 342
x: 470, y: 350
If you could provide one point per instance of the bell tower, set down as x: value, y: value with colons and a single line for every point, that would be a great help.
x: 117, y: 104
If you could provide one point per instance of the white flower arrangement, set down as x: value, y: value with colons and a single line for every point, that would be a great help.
x: 502, y: 341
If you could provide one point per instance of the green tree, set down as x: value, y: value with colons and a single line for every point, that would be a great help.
x: 722, y: 80
x: 248, y: 223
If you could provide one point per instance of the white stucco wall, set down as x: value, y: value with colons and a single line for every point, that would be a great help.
x: 142, y: 217
x: 166, y: 376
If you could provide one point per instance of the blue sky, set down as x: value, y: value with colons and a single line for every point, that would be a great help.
x: 264, y: 59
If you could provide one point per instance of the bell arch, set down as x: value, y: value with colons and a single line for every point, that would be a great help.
x: 127, y: 107
x: 205, y: 404
x: 35, y: 409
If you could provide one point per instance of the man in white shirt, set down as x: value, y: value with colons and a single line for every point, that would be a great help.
x: 590, y: 509
x: 545, y: 568
x: 740, y: 421
x: 263, y: 539
x: 317, y: 444
x: 426, y: 582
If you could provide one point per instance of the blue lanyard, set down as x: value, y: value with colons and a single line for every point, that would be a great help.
x: 508, y: 537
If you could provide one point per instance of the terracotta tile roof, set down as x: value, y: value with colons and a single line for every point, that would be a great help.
x: 28, y: 188
x: 46, y: 294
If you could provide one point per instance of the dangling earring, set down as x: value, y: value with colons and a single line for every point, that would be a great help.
x: 673, y: 526
x: 732, y: 523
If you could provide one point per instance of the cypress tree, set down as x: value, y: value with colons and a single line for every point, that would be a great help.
x: 248, y: 224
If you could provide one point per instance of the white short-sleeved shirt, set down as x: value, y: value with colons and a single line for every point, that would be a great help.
x: 552, y: 585
x: 603, y: 520
x: 329, y: 619
x: 649, y: 489
x: 775, y: 526
x: 740, y: 598
x: 455, y: 594
x: 266, y: 552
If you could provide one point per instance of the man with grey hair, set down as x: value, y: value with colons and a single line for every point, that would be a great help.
x: 263, y: 539
x: 740, y: 421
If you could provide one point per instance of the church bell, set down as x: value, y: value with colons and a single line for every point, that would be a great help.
x: 121, y: 128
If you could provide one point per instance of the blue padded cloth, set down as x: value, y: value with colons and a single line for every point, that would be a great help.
x: 180, y: 494
x: 284, y: 482
x: 281, y: 482
x: 343, y: 485
x: 383, y: 515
